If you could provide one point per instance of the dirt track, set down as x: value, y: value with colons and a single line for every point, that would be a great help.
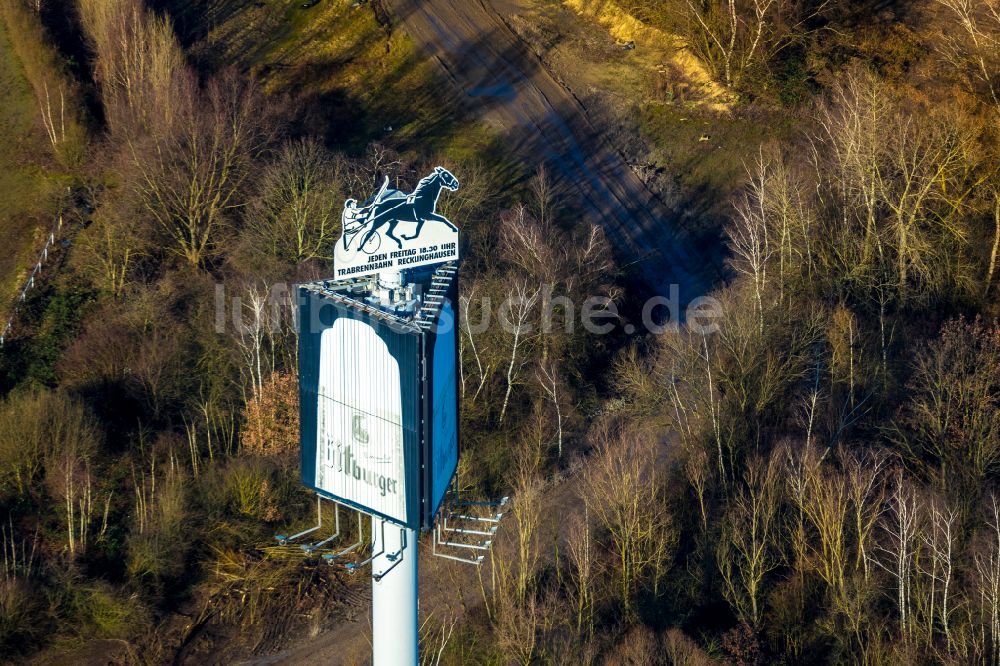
x: 505, y: 83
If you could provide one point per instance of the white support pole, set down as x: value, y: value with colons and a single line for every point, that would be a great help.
x: 394, y: 595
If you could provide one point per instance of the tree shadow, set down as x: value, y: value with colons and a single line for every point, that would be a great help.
x: 543, y: 124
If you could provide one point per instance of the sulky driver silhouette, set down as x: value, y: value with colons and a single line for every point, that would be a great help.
x: 390, y: 207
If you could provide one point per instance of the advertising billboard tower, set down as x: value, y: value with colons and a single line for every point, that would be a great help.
x: 378, y: 372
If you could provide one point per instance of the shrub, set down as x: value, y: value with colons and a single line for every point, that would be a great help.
x: 271, y: 418
x: 240, y: 489
x: 249, y: 491
x: 20, y: 614
x: 108, y: 614
x: 40, y: 430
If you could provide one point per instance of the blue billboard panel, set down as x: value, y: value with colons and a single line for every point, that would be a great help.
x: 444, y: 398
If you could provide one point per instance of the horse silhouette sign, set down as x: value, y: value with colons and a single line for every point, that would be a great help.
x: 394, y: 230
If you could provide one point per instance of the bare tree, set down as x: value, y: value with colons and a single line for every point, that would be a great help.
x: 484, y: 367
x: 970, y: 41
x: 748, y: 238
x: 529, y: 245
x: 189, y: 176
x: 295, y: 215
x: 516, y: 612
x: 826, y: 507
x: 995, y: 191
x: 733, y: 36
x: 898, y: 197
x: 941, y: 539
x: 527, y: 512
x: 698, y: 470
x: 261, y: 329
x: 747, y: 551
x: 139, y: 65
x: 543, y: 189
x: 987, y: 568
x: 549, y: 379
x: 516, y: 315
x: 866, y: 491
x: 621, y: 487
x: 112, y: 248
x: 480, y: 185
x: 896, y: 551
x: 579, y: 549
x: 51, y: 436
x: 950, y: 428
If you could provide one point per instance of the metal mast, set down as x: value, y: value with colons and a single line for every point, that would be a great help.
x: 394, y: 595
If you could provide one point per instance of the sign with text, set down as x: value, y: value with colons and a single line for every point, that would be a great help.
x: 394, y: 230
x: 359, y: 421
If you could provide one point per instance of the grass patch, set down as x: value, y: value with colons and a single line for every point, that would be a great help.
x: 25, y: 186
x: 348, y: 78
x: 706, y: 154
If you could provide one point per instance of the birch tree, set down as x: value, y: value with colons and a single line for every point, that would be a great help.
x: 942, y: 541
x: 748, y: 239
x: 896, y: 551
x: 986, y: 561
x: 517, y: 317
x: 747, y: 549
x: 551, y: 382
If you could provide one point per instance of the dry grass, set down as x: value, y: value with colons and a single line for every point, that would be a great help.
x: 268, y: 598
x: 657, y: 54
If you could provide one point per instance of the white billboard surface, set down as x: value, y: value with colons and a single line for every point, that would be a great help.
x: 394, y: 230
x: 359, y: 452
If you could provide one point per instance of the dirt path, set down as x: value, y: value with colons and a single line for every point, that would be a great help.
x: 505, y: 83
x: 446, y: 589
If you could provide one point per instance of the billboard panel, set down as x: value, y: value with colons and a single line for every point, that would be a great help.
x: 444, y: 400
x: 379, y: 397
x: 360, y: 422
x: 359, y: 448
x: 395, y: 230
